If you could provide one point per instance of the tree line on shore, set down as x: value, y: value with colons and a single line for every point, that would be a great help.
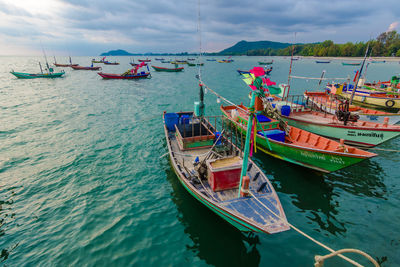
x: 387, y: 44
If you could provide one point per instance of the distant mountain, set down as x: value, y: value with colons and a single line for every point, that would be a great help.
x: 243, y: 46
x: 118, y: 52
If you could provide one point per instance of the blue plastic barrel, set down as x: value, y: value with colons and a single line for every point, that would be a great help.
x: 185, y: 119
x: 170, y: 120
x: 285, y: 110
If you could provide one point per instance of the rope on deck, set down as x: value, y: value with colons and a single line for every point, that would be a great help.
x: 319, y: 260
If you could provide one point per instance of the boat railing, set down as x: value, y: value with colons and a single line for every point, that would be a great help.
x: 318, y: 103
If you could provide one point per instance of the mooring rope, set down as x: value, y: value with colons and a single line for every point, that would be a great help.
x: 319, y: 259
x: 314, y: 78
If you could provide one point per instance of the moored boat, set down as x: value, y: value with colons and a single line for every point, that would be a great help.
x: 364, y: 96
x: 329, y: 103
x: 126, y: 77
x: 265, y: 62
x: 351, y: 63
x: 267, y: 71
x: 144, y: 60
x: 167, y: 69
x: 110, y: 63
x: 341, y: 126
x: 220, y: 175
x: 23, y: 75
x: 86, y: 68
x: 297, y: 146
x: 322, y: 61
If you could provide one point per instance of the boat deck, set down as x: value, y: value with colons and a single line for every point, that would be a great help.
x: 246, y: 209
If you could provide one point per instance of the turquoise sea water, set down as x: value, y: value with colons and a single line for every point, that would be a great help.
x: 82, y: 182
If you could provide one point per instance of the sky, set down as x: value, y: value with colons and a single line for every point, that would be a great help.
x: 90, y: 27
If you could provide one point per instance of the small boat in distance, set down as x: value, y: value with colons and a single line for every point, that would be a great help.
x: 64, y: 65
x: 22, y: 75
x: 49, y: 74
x: 130, y: 74
x: 124, y: 76
x: 267, y: 71
x: 110, y: 63
x: 144, y: 60
x: 323, y: 61
x: 212, y: 59
x: 351, y: 63
x: 86, y: 68
x: 167, y: 69
x: 265, y: 62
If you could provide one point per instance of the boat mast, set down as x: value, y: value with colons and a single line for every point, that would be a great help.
x: 201, y: 93
x: 290, y: 69
x: 358, y: 76
x: 247, y: 143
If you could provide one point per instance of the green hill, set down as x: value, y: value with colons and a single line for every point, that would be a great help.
x: 118, y: 52
x: 243, y: 46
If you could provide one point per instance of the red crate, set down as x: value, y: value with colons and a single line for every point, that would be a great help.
x: 224, y: 173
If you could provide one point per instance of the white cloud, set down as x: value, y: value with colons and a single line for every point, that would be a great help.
x: 393, y: 26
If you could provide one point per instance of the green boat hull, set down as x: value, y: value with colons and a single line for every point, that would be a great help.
x: 21, y: 75
x: 167, y: 69
x: 309, y: 158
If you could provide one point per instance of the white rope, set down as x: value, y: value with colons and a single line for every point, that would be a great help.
x: 314, y: 78
x: 314, y: 240
x: 223, y: 98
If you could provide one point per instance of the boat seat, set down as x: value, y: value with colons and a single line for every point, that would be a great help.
x: 256, y: 176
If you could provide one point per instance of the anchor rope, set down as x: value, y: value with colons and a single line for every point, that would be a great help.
x: 314, y: 78
x: 319, y: 243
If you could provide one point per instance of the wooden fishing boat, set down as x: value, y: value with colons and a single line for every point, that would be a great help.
x: 86, y: 68
x: 265, y: 62
x: 126, y: 77
x: 22, y: 75
x: 225, y: 61
x: 110, y: 63
x: 361, y: 133
x: 144, y: 60
x: 378, y: 61
x: 65, y: 65
x: 212, y: 59
x: 383, y: 100
x: 297, y: 146
x: 191, y: 59
x: 166, y: 61
x: 323, y: 61
x: 329, y: 103
x: 267, y: 71
x: 97, y: 61
x: 191, y: 64
x: 159, y: 59
x: 211, y: 174
x: 200, y: 64
x: 167, y: 69
x: 178, y: 62
x: 351, y: 63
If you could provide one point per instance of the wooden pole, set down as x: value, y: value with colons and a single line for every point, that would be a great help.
x: 247, y: 143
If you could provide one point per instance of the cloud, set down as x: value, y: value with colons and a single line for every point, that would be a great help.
x: 393, y: 26
x: 171, y: 26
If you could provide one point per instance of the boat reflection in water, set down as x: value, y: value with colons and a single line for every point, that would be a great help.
x: 319, y: 194
x: 214, y: 240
